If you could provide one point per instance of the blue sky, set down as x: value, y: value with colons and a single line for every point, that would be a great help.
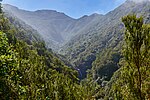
x: 73, y: 8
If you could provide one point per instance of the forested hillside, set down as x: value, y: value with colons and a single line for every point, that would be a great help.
x: 108, y: 59
x: 82, y: 41
x: 103, y: 41
x: 28, y: 70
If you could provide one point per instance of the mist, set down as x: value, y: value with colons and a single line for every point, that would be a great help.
x: 138, y: 1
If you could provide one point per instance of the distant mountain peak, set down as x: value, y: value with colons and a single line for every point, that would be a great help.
x: 53, y: 13
x: 8, y: 6
x: 45, y: 10
x: 85, y: 16
x: 96, y: 14
x: 48, y: 11
x: 92, y: 15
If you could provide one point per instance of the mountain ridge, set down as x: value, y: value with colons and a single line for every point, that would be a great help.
x: 80, y: 40
x: 107, y: 33
x: 53, y: 26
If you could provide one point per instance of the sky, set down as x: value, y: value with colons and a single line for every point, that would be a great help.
x: 72, y: 8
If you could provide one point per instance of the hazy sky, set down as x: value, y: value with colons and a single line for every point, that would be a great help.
x: 73, y: 8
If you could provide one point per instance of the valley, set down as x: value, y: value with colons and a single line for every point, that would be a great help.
x: 86, y: 52
x: 80, y: 40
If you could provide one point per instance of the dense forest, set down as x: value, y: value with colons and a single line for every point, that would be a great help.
x: 31, y: 71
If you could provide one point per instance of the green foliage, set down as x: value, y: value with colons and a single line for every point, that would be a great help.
x: 90, y: 88
x: 30, y: 71
x: 8, y: 67
x: 106, y: 64
x: 134, y: 78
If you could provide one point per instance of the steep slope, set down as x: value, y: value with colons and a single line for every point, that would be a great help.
x: 56, y: 28
x: 46, y: 22
x: 26, y: 32
x: 106, y: 62
x: 106, y: 33
x: 82, y: 39
x: 28, y: 70
x: 81, y: 24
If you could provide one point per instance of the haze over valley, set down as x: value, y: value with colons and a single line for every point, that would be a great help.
x: 97, y: 53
